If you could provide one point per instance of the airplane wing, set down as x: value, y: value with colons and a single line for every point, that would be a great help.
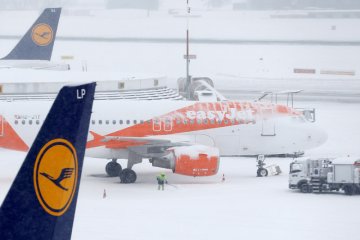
x: 170, y: 152
x: 147, y: 147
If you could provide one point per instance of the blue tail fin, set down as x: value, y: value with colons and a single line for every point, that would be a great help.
x: 42, y: 199
x: 38, y: 42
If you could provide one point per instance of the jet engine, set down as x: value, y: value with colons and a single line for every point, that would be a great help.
x: 195, y: 160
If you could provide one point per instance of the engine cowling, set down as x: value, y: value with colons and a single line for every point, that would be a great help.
x: 196, y: 160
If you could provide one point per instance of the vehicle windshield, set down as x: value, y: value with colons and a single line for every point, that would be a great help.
x: 295, y: 167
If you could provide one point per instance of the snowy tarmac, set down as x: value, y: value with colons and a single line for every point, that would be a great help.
x: 242, y: 207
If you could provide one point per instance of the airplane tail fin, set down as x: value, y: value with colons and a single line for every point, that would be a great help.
x: 38, y: 42
x: 42, y: 199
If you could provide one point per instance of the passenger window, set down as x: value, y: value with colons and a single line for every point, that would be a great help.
x: 93, y: 122
x: 16, y: 122
x: 100, y: 121
x: 127, y: 121
x: 23, y: 122
x: 121, y: 121
x: 212, y: 121
x: 191, y: 121
x: 30, y: 122
x: 199, y: 121
x: 205, y: 121
x: 107, y: 121
x: 141, y: 121
x: 37, y: 122
x: 135, y: 121
x: 114, y: 122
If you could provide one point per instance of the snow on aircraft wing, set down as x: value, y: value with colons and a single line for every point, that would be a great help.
x: 148, y: 147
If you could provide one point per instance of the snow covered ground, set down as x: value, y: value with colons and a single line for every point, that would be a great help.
x: 244, y: 206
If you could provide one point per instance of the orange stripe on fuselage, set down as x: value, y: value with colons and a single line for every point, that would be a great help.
x: 209, y: 115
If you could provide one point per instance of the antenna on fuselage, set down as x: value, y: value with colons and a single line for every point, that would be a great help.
x: 187, y: 56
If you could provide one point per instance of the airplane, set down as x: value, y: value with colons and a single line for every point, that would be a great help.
x: 36, y: 206
x: 187, y: 137
x: 35, y: 48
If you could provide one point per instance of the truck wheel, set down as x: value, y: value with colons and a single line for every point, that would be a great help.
x: 349, y: 190
x: 305, y: 188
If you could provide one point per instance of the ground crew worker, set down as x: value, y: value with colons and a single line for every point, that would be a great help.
x: 161, y: 179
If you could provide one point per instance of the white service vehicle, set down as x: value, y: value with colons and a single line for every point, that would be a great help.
x: 325, y: 175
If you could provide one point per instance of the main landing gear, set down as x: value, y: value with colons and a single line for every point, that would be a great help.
x: 113, y: 168
x: 126, y: 175
x: 261, y: 171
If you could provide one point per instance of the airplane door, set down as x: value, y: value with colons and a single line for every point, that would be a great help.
x: 1, y: 126
x: 162, y: 124
x: 167, y: 124
x: 268, y: 123
x: 156, y: 125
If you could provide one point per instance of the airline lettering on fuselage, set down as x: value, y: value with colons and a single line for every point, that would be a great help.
x: 231, y: 114
x: 22, y: 116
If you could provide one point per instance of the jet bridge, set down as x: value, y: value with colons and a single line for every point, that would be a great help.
x: 199, y: 89
x: 288, y: 96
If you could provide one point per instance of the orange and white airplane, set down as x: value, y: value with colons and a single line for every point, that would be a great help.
x: 186, y: 136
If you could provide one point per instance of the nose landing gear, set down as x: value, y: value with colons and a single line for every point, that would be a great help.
x: 261, y: 171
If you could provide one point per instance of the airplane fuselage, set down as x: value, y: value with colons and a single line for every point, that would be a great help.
x: 235, y: 128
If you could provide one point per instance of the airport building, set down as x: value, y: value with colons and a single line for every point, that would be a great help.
x: 109, y: 85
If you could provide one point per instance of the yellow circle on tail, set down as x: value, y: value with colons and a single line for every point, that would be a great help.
x: 42, y: 34
x: 55, y: 176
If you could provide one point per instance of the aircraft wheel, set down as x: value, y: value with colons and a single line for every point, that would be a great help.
x: 113, y: 169
x: 127, y: 176
x: 262, y: 172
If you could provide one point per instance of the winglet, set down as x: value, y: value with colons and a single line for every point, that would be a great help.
x: 42, y: 199
x: 38, y: 42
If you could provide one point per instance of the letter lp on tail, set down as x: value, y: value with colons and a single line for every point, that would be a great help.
x: 42, y: 199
